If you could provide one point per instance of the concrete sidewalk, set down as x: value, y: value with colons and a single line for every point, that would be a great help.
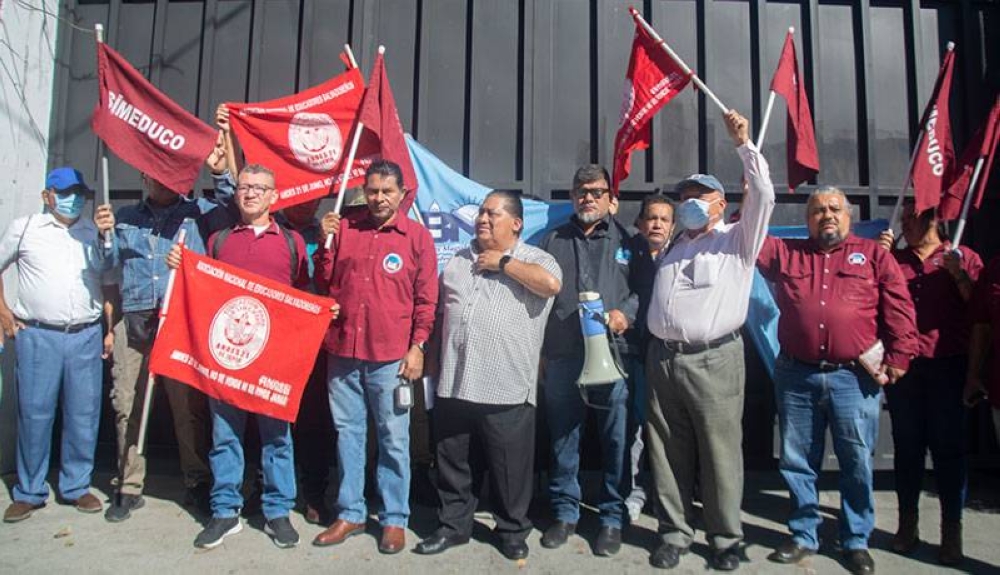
x: 158, y: 539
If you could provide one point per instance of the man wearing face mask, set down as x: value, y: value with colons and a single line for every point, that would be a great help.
x: 56, y: 332
x: 694, y: 363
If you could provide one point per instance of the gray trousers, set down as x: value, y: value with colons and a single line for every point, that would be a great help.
x: 695, y: 432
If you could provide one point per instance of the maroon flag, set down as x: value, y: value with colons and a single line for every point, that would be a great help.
x: 378, y: 113
x: 983, y: 145
x: 935, y: 156
x: 652, y: 80
x: 803, y: 160
x: 144, y: 127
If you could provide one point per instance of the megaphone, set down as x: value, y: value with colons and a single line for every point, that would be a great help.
x: 599, y: 366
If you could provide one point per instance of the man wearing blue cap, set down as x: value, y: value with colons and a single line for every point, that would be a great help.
x: 56, y: 327
x: 694, y: 364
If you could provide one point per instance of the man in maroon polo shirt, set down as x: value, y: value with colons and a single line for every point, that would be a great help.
x: 838, y: 295
x: 382, y: 269
x: 926, y: 406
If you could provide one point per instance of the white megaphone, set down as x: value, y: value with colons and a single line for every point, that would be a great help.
x: 599, y: 366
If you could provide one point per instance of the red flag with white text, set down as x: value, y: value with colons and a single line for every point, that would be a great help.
x: 145, y: 128
x: 239, y: 337
x: 800, y: 139
x: 982, y: 145
x: 652, y: 80
x: 935, y: 158
x: 305, y: 137
x: 379, y: 115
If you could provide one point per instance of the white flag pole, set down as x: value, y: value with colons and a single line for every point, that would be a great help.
x: 147, y: 402
x: 770, y: 106
x: 105, y: 189
x: 673, y: 56
x: 966, y: 203
x: 350, y: 55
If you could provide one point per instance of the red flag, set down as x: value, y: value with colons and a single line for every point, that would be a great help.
x: 935, y: 157
x: 803, y: 160
x: 241, y: 338
x: 305, y: 138
x: 144, y: 127
x: 983, y: 145
x: 378, y: 113
x: 652, y: 80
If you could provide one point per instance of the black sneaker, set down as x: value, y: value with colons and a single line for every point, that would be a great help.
x: 122, y: 507
x: 212, y: 536
x: 281, y: 531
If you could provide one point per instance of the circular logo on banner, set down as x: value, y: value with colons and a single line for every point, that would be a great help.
x: 239, y: 332
x: 315, y: 140
x: 392, y: 263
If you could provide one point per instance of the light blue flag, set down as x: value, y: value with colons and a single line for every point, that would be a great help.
x: 449, y: 203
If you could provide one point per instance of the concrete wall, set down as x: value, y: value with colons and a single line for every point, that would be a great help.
x: 27, y: 65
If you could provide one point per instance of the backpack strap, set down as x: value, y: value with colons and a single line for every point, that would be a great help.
x: 293, y: 252
x: 220, y: 238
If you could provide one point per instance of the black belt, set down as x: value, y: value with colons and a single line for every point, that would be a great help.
x: 71, y: 328
x: 684, y: 347
x: 824, y: 365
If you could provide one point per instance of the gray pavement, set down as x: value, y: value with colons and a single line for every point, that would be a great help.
x: 158, y: 539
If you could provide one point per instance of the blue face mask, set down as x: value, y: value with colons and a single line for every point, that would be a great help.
x: 70, y: 205
x: 693, y: 214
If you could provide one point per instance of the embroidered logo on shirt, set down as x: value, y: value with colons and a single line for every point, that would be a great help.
x: 857, y: 259
x: 239, y: 332
x: 623, y: 256
x: 392, y: 263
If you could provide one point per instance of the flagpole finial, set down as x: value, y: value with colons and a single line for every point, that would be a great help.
x: 951, y: 46
x: 381, y: 49
x: 633, y: 11
x: 791, y: 29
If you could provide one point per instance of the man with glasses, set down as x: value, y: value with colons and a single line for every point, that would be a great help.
x: 593, y: 251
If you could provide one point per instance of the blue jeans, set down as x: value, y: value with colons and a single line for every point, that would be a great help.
x: 277, y: 462
x: 927, y: 413
x: 357, y: 387
x: 565, y: 413
x: 809, y: 401
x: 52, y: 368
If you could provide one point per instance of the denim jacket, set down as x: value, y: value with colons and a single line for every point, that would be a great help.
x: 144, y: 236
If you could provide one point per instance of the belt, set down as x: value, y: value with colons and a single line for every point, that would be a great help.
x: 70, y: 328
x: 684, y: 347
x: 824, y: 365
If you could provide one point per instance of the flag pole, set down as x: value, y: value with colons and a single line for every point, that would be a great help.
x: 770, y: 106
x: 105, y: 190
x: 350, y: 55
x: 673, y: 56
x: 966, y: 203
x: 147, y: 402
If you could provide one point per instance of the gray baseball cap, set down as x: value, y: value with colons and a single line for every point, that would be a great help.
x: 704, y: 180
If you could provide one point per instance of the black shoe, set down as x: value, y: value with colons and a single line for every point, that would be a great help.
x: 441, y: 541
x: 790, y: 552
x: 122, y: 507
x: 725, y: 559
x: 514, y: 550
x: 217, y: 530
x: 609, y: 541
x: 860, y: 562
x: 667, y: 556
x: 281, y: 531
x: 557, y: 535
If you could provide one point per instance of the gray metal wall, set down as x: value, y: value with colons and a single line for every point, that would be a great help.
x: 518, y: 93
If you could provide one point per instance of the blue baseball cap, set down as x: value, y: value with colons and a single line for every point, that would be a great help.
x: 703, y: 180
x: 66, y: 179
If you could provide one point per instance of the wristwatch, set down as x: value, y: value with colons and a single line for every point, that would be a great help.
x: 503, y: 262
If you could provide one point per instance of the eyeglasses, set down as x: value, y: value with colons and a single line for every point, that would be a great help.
x: 253, y: 189
x: 598, y: 193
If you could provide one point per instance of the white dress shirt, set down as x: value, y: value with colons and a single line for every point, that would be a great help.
x: 702, y: 286
x: 58, y: 269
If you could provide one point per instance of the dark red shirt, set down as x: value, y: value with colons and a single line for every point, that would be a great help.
x: 385, y: 280
x: 986, y: 309
x: 942, y: 314
x: 266, y: 254
x: 836, y: 304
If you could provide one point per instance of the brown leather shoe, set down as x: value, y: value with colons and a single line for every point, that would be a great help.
x: 338, y: 533
x: 393, y: 540
x: 950, y: 552
x: 88, y: 503
x: 19, y: 511
x: 908, y: 535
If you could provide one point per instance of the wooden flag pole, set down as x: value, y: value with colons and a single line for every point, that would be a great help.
x: 770, y: 106
x: 103, y: 153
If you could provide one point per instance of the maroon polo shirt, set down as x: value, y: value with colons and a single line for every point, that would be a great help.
x: 986, y: 309
x: 265, y: 254
x: 385, y: 280
x: 836, y: 304
x: 942, y: 314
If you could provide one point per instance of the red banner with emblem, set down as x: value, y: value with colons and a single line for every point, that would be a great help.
x: 244, y: 339
x: 304, y: 138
